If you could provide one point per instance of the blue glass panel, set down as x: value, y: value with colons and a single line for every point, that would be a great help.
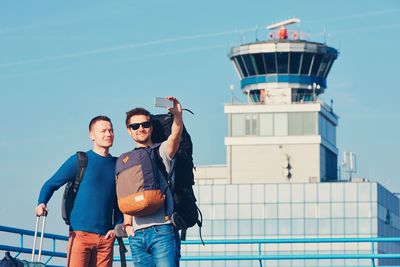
x: 311, y: 226
x: 306, y: 63
x: 337, y: 226
x: 298, y: 227
x: 298, y: 210
x: 271, y: 227
x: 219, y: 228
x: 249, y: 64
x: 283, y: 62
x: 316, y: 64
x: 232, y: 228
x: 260, y: 65
x: 258, y: 228
x: 269, y: 59
x: 245, y: 228
x: 242, y: 66
x: 294, y: 60
x: 324, y: 226
x: 284, y: 227
x: 351, y: 226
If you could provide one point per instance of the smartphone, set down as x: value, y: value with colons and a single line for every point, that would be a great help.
x: 162, y: 102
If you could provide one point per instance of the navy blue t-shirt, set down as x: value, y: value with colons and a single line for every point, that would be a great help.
x: 96, y: 199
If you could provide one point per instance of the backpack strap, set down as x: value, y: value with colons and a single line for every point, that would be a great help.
x: 82, y: 164
x: 122, y: 251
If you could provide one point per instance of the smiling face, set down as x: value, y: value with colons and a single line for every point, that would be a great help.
x: 102, y: 134
x: 140, y: 129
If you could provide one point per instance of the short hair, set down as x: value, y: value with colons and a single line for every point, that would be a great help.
x: 98, y: 118
x: 134, y: 112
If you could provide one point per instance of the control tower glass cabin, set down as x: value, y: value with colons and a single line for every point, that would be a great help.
x: 284, y: 132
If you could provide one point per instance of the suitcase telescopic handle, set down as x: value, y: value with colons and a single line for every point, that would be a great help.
x: 41, y: 237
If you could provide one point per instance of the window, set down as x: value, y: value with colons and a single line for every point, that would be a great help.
x: 266, y: 124
x: 298, y: 210
x: 258, y: 228
x: 238, y: 67
x: 324, y: 65
x: 284, y: 227
x: 297, y: 193
x: 249, y: 64
x: 309, y: 127
x: 242, y: 66
x: 271, y: 227
x: 302, y: 123
x: 237, y: 124
x: 294, y: 60
x: 337, y: 226
x: 232, y: 228
x: 328, y: 68
x: 251, y: 124
x: 259, y: 62
x: 316, y: 64
x: 280, y: 124
x: 270, y: 63
x: 306, y: 63
x: 298, y: 227
x: 283, y: 62
x: 257, y: 193
x: 295, y: 123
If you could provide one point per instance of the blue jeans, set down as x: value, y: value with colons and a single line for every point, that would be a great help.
x: 155, y: 246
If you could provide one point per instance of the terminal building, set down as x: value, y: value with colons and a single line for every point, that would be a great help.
x: 281, y: 178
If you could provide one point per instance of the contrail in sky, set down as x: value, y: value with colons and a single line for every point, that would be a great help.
x: 122, y: 47
x: 200, y: 36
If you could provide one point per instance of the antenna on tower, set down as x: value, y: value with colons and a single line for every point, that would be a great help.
x: 282, y: 27
x: 256, y: 30
x: 283, y: 23
x: 349, y: 163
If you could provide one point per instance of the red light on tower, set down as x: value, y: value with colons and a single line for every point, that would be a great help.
x: 283, y: 33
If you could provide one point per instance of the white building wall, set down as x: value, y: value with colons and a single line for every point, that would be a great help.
x: 267, y: 163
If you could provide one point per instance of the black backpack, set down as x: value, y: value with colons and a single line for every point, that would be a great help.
x: 181, y: 178
x: 71, y: 188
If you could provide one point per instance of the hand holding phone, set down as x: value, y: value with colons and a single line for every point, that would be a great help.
x: 162, y: 102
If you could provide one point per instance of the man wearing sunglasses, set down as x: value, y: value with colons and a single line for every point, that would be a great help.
x: 152, y: 238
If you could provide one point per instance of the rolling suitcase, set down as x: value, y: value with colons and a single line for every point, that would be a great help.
x: 37, y: 263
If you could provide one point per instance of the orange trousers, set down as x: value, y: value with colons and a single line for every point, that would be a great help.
x: 89, y: 250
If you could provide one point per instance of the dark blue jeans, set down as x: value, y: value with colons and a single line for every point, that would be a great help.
x: 155, y: 246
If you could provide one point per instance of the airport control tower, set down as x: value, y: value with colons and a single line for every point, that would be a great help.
x: 284, y: 133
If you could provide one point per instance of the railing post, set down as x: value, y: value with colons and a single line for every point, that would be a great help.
x: 259, y: 253
x: 373, y: 253
x: 21, y: 243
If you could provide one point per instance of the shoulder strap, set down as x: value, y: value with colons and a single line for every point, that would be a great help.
x: 82, y: 163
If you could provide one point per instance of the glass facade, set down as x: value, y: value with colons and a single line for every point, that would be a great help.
x: 294, y: 210
x: 326, y: 129
x: 296, y: 63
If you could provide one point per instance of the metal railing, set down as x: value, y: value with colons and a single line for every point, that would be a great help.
x: 260, y: 255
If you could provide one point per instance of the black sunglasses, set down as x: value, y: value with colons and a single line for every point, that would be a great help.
x: 135, y: 126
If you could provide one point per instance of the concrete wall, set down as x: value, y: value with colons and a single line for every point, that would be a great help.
x: 267, y: 163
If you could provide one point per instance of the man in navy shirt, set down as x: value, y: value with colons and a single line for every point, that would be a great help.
x: 95, y: 211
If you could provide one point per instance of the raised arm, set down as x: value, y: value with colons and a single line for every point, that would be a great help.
x: 177, y: 128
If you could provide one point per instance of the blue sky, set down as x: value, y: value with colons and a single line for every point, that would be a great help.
x: 64, y: 62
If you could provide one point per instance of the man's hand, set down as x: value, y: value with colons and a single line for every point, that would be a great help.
x: 129, y: 230
x: 176, y: 110
x: 177, y: 127
x: 110, y: 234
x: 41, y: 210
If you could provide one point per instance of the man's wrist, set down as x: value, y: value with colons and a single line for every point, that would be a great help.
x: 126, y: 225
